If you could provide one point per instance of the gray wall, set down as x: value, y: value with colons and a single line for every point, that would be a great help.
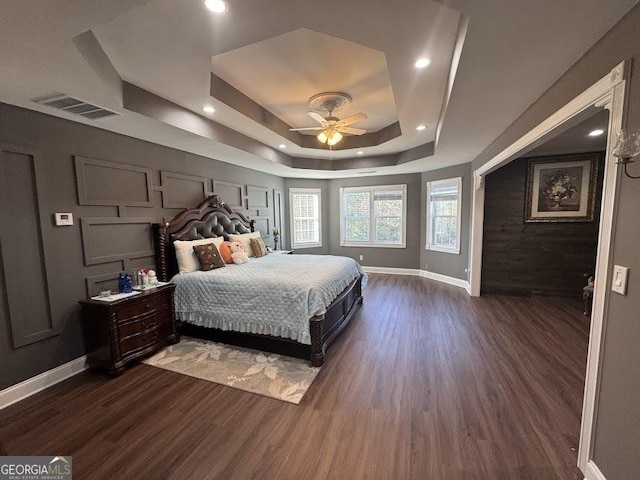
x: 154, y: 182
x: 408, y: 257
x: 448, y: 264
x: 415, y: 256
x: 617, y: 433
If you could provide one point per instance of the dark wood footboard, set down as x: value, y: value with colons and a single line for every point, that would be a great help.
x: 324, y: 329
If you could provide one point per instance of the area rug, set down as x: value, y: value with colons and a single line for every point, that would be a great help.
x: 276, y: 376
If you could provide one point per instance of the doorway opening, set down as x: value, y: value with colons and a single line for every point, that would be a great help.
x: 542, y: 216
x: 609, y: 92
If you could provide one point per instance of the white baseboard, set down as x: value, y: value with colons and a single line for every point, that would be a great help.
x: 392, y: 270
x: 458, y: 282
x: 592, y: 472
x: 36, y: 384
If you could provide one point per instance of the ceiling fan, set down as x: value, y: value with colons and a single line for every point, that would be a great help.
x: 331, y: 128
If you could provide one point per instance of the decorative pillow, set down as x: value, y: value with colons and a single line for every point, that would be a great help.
x: 225, y: 252
x: 258, y: 246
x: 186, y: 257
x: 208, y: 256
x: 245, y: 239
x: 233, y: 252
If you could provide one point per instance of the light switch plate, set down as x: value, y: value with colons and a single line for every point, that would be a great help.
x: 620, y: 277
x: 64, y: 219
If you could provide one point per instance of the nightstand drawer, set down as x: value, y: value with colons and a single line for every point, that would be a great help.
x: 141, y: 323
x: 159, y: 328
x: 119, y: 332
x: 151, y: 305
x: 138, y: 341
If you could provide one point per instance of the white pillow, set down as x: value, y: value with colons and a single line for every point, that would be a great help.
x: 245, y: 239
x: 186, y: 257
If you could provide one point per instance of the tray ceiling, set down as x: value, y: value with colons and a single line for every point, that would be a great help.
x: 490, y: 61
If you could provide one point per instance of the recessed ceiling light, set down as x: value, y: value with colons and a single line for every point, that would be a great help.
x: 360, y: 152
x: 422, y: 63
x: 282, y: 145
x: 596, y: 133
x: 208, y: 109
x: 216, y: 6
x: 421, y: 127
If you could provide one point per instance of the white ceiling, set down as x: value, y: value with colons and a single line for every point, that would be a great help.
x: 576, y: 139
x: 514, y: 50
x: 273, y: 53
x: 283, y: 72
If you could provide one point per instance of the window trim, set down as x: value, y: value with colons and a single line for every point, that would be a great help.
x: 440, y: 248
x: 372, y: 243
x: 307, y: 191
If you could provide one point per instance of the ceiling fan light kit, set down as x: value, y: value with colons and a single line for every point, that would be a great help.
x: 330, y: 136
x: 332, y: 128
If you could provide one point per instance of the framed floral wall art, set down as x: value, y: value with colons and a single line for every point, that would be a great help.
x: 562, y: 189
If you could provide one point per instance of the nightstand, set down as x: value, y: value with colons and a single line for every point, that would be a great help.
x: 119, y: 332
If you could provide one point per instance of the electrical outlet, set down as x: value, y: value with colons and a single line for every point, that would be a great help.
x: 361, y: 257
x: 426, y: 266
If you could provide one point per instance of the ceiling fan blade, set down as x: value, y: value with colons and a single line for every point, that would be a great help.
x: 352, y: 131
x: 317, y: 117
x: 358, y: 117
x: 306, y: 128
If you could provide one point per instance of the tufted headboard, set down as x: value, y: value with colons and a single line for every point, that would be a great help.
x: 212, y: 218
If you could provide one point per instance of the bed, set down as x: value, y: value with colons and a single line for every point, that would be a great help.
x: 291, y: 304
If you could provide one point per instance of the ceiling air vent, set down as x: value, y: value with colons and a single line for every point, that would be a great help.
x: 79, y: 107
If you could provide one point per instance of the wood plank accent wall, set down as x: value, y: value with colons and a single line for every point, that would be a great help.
x: 521, y: 258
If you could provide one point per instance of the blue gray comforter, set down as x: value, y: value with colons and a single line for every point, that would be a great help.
x: 273, y: 295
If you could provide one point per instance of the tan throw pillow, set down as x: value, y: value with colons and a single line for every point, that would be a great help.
x: 186, y: 257
x: 245, y: 239
x: 258, y: 246
x: 208, y: 256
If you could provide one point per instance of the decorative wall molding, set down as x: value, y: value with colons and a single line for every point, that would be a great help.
x: 195, y: 190
x: 258, y: 206
x: 94, y: 178
x: 95, y: 283
x: 36, y: 384
x: 93, y: 256
x: 278, y: 215
x: 24, y: 317
x: 230, y: 192
x: 257, y: 200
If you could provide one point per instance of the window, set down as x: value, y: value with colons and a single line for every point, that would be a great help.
x: 444, y: 200
x: 306, y: 227
x: 373, y: 216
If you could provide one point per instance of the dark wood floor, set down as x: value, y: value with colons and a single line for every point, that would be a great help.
x: 426, y: 384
